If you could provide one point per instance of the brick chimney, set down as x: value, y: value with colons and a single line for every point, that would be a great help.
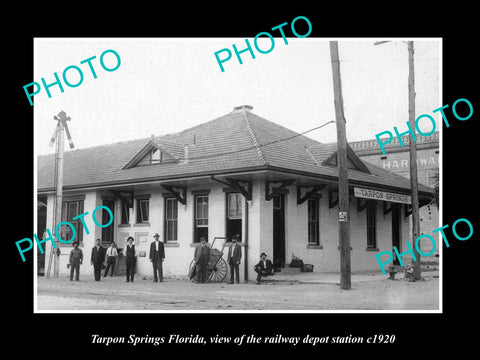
x: 186, y: 154
x: 246, y: 107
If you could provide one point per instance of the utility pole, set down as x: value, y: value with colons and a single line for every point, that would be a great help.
x: 413, y: 162
x: 57, y: 215
x: 343, y: 197
x: 413, y: 159
x: 58, y: 193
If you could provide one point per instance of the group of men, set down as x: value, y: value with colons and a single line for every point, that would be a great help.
x: 103, y: 258
x: 202, y: 257
x: 106, y: 258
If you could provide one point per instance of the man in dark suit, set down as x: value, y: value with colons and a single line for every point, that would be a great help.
x: 96, y: 259
x: 234, y: 257
x: 75, y: 260
x: 157, y: 255
x: 263, y: 268
x: 202, y: 256
x: 130, y: 258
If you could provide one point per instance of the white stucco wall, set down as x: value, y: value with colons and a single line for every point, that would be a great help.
x: 326, y: 258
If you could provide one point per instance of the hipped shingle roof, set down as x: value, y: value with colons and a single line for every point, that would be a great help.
x: 237, y: 141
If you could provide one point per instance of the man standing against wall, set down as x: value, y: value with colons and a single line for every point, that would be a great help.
x: 202, y: 255
x: 75, y: 260
x: 234, y: 257
x: 97, y: 258
x: 111, y: 258
x: 130, y: 259
x: 157, y: 255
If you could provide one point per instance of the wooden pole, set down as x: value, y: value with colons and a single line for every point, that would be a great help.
x: 245, y: 240
x: 343, y: 200
x: 413, y: 162
x: 58, y: 195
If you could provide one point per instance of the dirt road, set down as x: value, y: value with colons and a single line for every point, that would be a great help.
x: 116, y: 294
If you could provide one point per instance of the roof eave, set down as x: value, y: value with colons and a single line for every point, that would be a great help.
x: 328, y: 178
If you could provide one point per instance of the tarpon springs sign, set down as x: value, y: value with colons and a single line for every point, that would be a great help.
x: 382, y: 195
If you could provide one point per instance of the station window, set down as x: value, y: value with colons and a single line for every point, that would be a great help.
x: 107, y: 232
x: 142, y: 211
x: 125, y: 217
x: 234, y: 214
x: 313, y: 222
x: 171, y: 219
x: 154, y: 156
x: 234, y: 206
x: 371, y: 227
x: 201, y: 217
x: 71, y: 209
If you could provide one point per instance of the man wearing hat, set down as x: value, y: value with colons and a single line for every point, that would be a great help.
x: 75, y: 260
x: 96, y: 259
x: 263, y: 268
x: 234, y: 257
x: 130, y: 258
x: 202, y: 255
x: 157, y: 255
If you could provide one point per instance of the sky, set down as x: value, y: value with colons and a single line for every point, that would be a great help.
x: 166, y: 85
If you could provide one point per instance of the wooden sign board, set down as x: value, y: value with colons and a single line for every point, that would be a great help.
x: 382, y: 195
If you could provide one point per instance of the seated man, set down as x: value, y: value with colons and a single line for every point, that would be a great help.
x: 263, y: 268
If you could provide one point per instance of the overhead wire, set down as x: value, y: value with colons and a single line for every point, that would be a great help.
x: 259, y: 145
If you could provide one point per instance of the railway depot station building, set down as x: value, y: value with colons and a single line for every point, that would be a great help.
x: 237, y: 174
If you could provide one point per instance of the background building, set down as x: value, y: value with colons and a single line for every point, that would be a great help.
x: 397, y: 160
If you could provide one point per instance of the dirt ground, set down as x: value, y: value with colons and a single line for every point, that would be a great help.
x: 172, y: 294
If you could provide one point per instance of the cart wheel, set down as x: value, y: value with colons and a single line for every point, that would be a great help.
x: 190, y: 268
x: 219, y: 272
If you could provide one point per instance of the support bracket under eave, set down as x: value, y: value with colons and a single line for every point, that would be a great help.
x: 125, y: 196
x: 408, y: 210
x: 308, y: 192
x: 243, y: 186
x: 361, y: 206
x: 387, y: 209
x: 179, y: 192
x: 333, y: 197
x: 273, y: 188
x: 332, y: 200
